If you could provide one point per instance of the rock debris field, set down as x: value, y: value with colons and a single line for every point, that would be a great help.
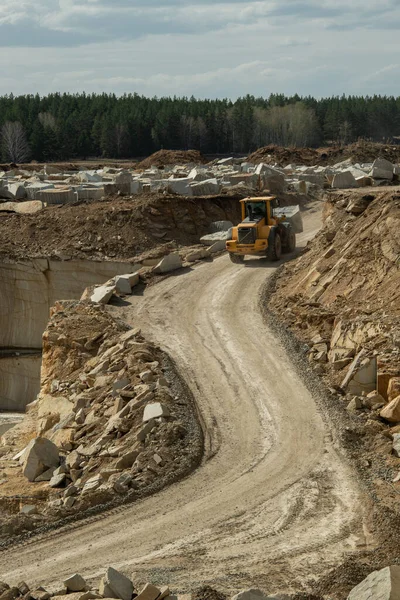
x: 222, y: 465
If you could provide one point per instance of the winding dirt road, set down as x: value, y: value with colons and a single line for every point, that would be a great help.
x: 274, y: 501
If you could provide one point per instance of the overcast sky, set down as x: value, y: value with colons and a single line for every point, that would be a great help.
x: 207, y: 48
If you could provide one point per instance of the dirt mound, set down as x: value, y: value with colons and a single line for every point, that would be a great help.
x: 116, y: 229
x: 359, y: 152
x: 163, y: 158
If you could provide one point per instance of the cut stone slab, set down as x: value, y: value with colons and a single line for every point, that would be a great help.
x: 123, y: 285
x: 29, y: 509
x: 102, y: 294
x: 361, y: 376
x: 382, y: 169
x: 115, y: 585
x: 344, y: 180
x: 75, y: 583
x: 39, y: 455
x: 155, y: 410
x: 379, y: 585
x: 169, y: 263
x: 23, y: 208
x: 211, y: 238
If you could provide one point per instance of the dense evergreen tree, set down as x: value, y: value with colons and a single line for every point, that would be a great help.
x: 68, y: 126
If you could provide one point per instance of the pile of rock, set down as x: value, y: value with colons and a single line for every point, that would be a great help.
x: 379, y: 585
x: 113, y: 584
x: 109, y: 421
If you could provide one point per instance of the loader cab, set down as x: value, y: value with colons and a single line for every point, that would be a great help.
x: 256, y: 209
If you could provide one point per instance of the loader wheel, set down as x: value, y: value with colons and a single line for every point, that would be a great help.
x: 274, y: 251
x: 290, y: 245
x: 236, y: 258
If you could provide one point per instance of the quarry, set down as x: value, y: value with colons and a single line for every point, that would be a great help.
x: 175, y: 425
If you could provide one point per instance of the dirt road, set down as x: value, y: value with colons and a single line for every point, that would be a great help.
x: 273, y: 503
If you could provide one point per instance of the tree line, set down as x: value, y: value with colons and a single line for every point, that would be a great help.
x: 71, y: 126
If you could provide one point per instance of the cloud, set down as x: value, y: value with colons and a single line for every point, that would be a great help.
x: 221, y: 48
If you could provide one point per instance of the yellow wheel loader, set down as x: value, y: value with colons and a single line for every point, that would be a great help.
x: 266, y: 229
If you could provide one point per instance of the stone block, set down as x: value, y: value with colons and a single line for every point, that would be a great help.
x: 154, y: 411
x: 57, y: 196
x: 169, y: 263
x: 382, y: 169
x: 149, y: 592
x: 122, y: 284
x: 102, y: 294
x: 116, y: 585
x: 75, y: 583
x: 344, y: 180
x: 379, y: 585
x: 39, y: 455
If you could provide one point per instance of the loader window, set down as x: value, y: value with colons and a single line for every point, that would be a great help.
x: 255, y: 211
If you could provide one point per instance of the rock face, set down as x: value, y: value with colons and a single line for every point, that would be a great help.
x: 379, y: 585
x: 39, y: 455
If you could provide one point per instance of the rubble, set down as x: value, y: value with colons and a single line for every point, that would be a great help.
x: 112, y: 421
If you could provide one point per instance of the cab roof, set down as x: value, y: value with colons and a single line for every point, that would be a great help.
x: 259, y: 199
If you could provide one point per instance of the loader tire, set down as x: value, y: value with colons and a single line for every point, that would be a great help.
x: 290, y: 245
x: 274, y: 251
x: 236, y: 258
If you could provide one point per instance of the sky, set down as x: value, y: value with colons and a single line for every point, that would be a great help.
x: 204, y: 48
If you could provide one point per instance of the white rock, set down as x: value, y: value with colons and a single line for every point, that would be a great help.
x: 122, y: 284
x: 344, y: 180
x: 39, y: 455
x: 154, y: 411
x: 102, y: 294
x: 75, y: 583
x: 382, y: 169
x: 169, y: 263
x: 379, y: 585
x: 115, y: 585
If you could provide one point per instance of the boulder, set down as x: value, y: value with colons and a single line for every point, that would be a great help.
x: 393, y: 389
x: 344, y: 180
x: 115, y: 585
x: 102, y: 294
x: 75, y: 583
x: 209, y: 187
x: 379, y: 585
x: 211, y: 238
x: 149, y: 592
x: 391, y: 412
x: 382, y: 169
x: 169, y: 263
x: 39, y: 455
x: 154, y: 411
x: 122, y: 284
x: 361, y: 376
